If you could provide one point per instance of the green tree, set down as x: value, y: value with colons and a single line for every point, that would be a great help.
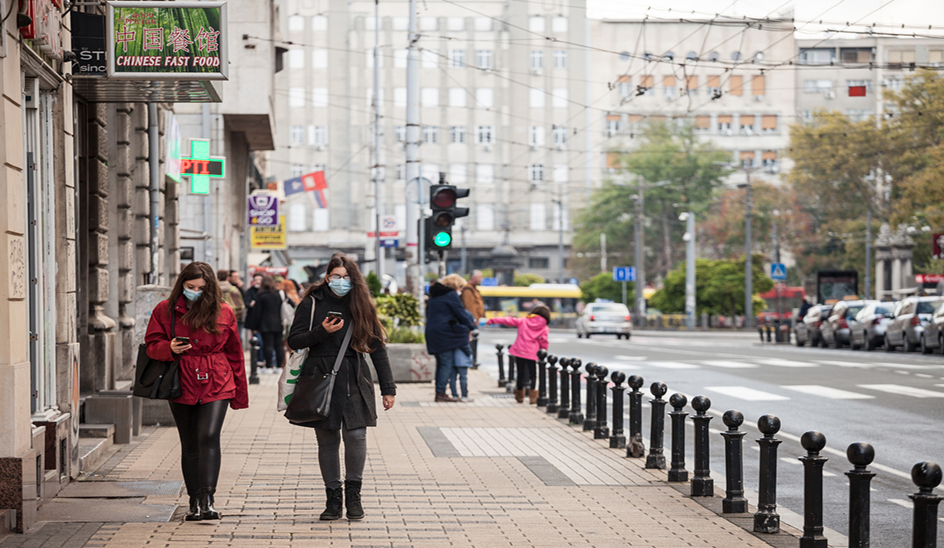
x: 374, y: 285
x: 719, y: 287
x: 526, y: 279
x: 602, y: 286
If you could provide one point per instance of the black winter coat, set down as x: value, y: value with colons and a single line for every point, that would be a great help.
x: 448, y: 323
x: 266, y: 315
x: 353, y: 399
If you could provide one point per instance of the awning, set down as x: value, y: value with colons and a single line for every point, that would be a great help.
x: 256, y: 259
x: 97, y: 89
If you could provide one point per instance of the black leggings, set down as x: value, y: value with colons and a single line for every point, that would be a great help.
x: 199, y: 427
x: 526, y: 373
x: 272, y: 342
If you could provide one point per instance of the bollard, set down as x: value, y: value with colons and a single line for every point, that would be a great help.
x: 602, y: 430
x: 678, y: 471
x: 590, y: 420
x: 813, y: 462
x: 542, y: 378
x: 501, y: 366
x: 927, y: 476
x: 253, y: 362
x: 760, y: 330
x: 512, y: 371
x: 576, y: 417
x: 766, y: 520
x: 656, y: 458
x: 564, y: 410
x: 552, y: 405
x: 733, y: 501
x: 769, y: 331
x: 702, y: 484
x: 617, y: 439
x: 636, y: 448
x: 860, y: 455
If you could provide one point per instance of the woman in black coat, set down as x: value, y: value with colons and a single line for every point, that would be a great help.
x: 353, y: 406
x: 265, y: 317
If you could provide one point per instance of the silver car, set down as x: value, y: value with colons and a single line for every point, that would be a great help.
x: 835, y: 329
x: 867, y: 328
x: 912, y: 316
x: 604, y: 318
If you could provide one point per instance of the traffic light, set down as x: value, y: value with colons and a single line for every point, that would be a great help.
x: 442, y: 200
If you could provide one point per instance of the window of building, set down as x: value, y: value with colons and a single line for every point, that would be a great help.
x: 399, y: 172
x: 614, y: 124
x: 895, y: 84
x: 624, y: 86
x: 668, y: 56
x: 724, y: 123
x: 399, y: 97
x: 536, y: 136
x: 747, y: 158
x: 457, y: 58
x: 624, y: 56
x: 483, y: 135
x: 428, y: 23
x: 859, y: 114
x: 536, y: 98
x: 560, y: 59
x: 429, y: 57
x: 714, y: 56
x: 735, y: 55
x: 401, y: 23
x: 400, y: 133
x: 747, y: 124
x: 758, y: 56
x: 691, y: 85
x: 668, y: 87
x: 560, y: 135
x: 817, y: 86
x: 296, y: 22
x: 483, y: 24
x: 816, y: 56
x: 714, y: 86
x: 322, y: 220
x: 483, y: 58
x: 458, y: 174
x: 296, y: 58
x: 455, y: 23
x: 429, y: 97
x: 560, y: 173
x: 691, y: 56
x: 296, y: 97
x: 485, y: 174
x: 537, y: 60
x: 646, y: 82
x: 768, y: 123
x: 536, y: 23
x: 702, y: 122
x: 318, y: 135
x: 936, y: 57
x: 560, y: 215
x: 900, y: 58
x: 538, y: 217
x: 457, y: 134
x: 319, y: 22
x: 536, y: 173
x: 769, y: 161
x: 319, y: 58
x: 758, y: 86
x: 560, y: 97
x: 539, y: 262
x: 431, y: 135
x: 736, y: 85
x: 484, y: 216
x: 298, y: 170
x: 297, y: 135
x: 807, y: 115
x: 298, y: 218
x: 858, y: 88
x: 855, y: 55
x: 457, y: 97
x: 485, y: 97
x: 319, y: 97
x: 559, y: 24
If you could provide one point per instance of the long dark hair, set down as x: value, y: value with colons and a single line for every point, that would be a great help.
x: 363, y: 312
x: 204, y: 311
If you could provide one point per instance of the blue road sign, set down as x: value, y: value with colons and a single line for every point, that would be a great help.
x: 624, y: 274
x: 386, y: 242
x: 573, y: 281
x: 778, y: 271
x: 490, y: 282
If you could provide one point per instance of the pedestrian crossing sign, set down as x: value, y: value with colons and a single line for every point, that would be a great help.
x: 778, y: 271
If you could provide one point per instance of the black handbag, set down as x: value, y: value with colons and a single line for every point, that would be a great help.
x: 311, y: 400
x: 156, y: 379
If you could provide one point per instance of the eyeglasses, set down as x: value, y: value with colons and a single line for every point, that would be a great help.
x: 335, y: 278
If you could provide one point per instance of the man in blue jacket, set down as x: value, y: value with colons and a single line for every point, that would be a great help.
x: 448, y: 328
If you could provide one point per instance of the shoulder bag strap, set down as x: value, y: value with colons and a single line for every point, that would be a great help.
x: 311, y: 322
x: 344, y: 345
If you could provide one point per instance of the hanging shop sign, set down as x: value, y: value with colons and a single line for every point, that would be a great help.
x: 88, y: 44
x: 45, y: 27
x: 200, y: 166
x: 263, y: 210
x: 172, y: 146
x: 167, y: 40
x: 268, y: 237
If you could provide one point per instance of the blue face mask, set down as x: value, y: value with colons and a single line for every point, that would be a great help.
x: 340, y: 287
x: 192, y: 295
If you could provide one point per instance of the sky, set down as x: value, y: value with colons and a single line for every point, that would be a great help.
x: 835, y: 13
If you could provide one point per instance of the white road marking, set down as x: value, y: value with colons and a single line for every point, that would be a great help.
x: 907, y: 365
x: 777, y: 362
x: 901, y: 502
x: 673, y: 365
x: 827, y: 392
x: 924, y: 375
x: 939, y: 385
x: 903, y: 372
x: 828, y: 474
x: 629, y: 358
x: 730, y: 365
x: 903, y: 390
x: 745, y: 393
x: 847, y: 364
x: 789, y: 460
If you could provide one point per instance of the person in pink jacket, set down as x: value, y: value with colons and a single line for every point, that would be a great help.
x: 532, y: 336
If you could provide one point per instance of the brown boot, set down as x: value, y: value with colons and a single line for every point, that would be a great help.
x: 533, y: 393
x: 519, y: 395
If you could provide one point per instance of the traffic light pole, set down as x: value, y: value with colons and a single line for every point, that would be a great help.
x: 441, y: 270
x: 414, y: 257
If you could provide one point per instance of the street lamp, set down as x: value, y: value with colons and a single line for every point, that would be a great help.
x: 689, y: 237
x: 639, y: 199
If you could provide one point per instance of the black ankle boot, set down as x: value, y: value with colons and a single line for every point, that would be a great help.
x: 194, y: 514
x: 333, y: 505
x: 206, y: 505
x: 352, y: 499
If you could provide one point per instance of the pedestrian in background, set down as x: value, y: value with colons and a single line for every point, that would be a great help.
x: 473, y: 302
x: 448, y: 328
x: 265, y: 319
x: 212, y: 376
x: 249, y: 298
x: 532, y: 336
x: 342, y: 303
x: 231, y: 294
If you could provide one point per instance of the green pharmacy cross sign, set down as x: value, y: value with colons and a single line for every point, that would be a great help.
x: 200, y: 166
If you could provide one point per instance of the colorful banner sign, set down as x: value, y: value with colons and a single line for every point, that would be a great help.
x: 268, y: 237
x: 172, y: 144
x: 263, y: 210
x: 167, y: 40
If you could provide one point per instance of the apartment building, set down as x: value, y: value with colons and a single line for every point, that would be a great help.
x: 724, y: 77
x: 502, y: 113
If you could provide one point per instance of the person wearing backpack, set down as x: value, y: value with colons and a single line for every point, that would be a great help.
x: 265, y: 318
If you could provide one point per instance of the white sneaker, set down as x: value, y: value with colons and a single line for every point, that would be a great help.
x: 467, y: 400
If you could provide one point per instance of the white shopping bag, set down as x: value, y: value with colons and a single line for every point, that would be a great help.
x: 293, y: 369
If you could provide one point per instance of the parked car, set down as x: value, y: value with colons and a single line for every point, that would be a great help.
x: 912, y: 315
x: 808, y: 330
x: 604, y: 318
x: 867, y: 328
x: 933, y: 336
x: 836, y: 328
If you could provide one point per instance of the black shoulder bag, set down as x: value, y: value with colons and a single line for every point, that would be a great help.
x: 156, y: 379
x: 311, y: 400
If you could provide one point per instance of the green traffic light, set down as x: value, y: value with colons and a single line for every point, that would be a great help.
x: 442, y: 239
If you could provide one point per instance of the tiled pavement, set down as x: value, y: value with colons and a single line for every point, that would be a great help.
x: 488, y: 473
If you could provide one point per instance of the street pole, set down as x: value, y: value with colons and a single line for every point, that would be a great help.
x: 868, y: 254
x: 463, y: 257
x: 414, y: 281
x: 378, y: 186
x: 154, y: 192
x: 748, y: 262
x: 560, y: 237
x: 603, y: 252
x: 778, y: 284
x: 624, y: 292
x: 690, y: 270
x: 640, y: 307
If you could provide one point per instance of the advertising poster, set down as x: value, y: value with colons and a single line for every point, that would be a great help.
x: 268, y: 237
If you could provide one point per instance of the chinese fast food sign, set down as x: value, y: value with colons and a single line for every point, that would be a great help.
x: 170, y: 40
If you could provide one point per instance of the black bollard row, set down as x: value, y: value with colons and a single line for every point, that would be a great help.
x: 927, y: 476
x: 702, y: 484
x: 501, y: 366
x: 576, y: 417
x: 860, y: 455
x: 766, y: 520
x: 656, y: 458
x: 636, y: 448
x: 813, y: 463
x: 617, y: 439
x: 601, y: 430
x: 733, y: 501
x: 552, y: 405
x: 564, y: 411
x: 542, y: 378
x: 512, y: 371
x: 590, y: 419
x: 254, y: 362
x: 678, y: 472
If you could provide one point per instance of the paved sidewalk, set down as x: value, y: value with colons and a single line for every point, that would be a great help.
x: 484, y: 474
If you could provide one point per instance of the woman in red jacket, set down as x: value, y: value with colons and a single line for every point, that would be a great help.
x: 212, y: 375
